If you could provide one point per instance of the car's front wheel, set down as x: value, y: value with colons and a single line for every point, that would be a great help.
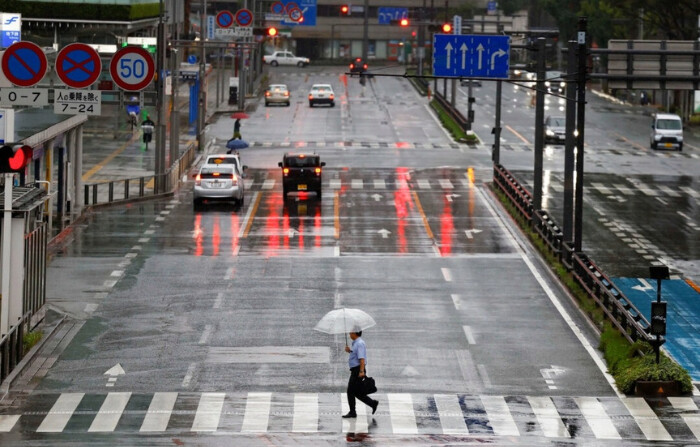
x: 274, y: 63
x: 653, y: 145
x: 300, y: 64
x: 680, y: 147
x: 332, y: 104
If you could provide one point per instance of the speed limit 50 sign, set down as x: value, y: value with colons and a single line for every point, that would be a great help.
x: 132, y: 68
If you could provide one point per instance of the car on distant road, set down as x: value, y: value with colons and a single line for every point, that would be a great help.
x: 358, y: 66
x: 465, y: 82
x: 321, y: 94
x: 218, y: 182
x: 555, y: 82
x: 301, y: 172
x: 666, y: 132
x: 554, y: 129
x: 285, y: 58
x: 277, y: 94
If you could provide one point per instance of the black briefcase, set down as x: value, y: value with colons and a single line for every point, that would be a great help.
x: 367, y: 386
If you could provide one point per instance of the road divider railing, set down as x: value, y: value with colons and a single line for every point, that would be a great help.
x: 618, y: 309
x: 518, y: 195
x: 455, y: 114
x: 12, y: 347
x: 121, y: 190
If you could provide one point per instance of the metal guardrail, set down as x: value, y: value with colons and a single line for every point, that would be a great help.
x: 34, y: 295
x: 518, y: 195
x: 550, y: 232
x: 12, y: 347
x: 452, y: 111
x: 617, y: 307
x: 124, y: 189
x: 621, y: 312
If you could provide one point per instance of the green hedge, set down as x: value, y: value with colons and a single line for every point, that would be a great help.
x: 84, y: 11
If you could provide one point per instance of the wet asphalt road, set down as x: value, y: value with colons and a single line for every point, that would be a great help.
x: 209, y: 313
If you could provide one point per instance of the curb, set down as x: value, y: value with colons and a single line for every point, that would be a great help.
x: 27, y: 360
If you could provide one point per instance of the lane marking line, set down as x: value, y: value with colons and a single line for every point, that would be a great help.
x: 517, y: 134
x: 422, y: 213
x: 446, y: 274
x: 205, y: 335
x: 249, y: 216
x: 470, y: 336
x: 188, y: 375
x: 336, y: 214
x: 109, y: 158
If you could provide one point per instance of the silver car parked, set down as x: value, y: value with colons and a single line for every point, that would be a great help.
x: 219, y: 182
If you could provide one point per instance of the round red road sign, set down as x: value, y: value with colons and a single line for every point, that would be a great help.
x: 24, y: 63
x: 78, y: 65
x: 132, y: 68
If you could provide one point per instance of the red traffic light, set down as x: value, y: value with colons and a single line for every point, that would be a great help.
x: 272, y: 31
x: 446, y: 28
x: 15, y: 159
x: 403, y: 22
x: 344, y: 9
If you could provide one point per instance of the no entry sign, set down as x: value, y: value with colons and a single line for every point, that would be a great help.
x: 24, y: 63
x: 78, y: 65
x: 132, y: 68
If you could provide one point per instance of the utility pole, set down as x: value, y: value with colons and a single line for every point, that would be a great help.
x: 202, y: 94
x: 539, y: 123
x: 580, y: 127
x: 365, y: 33
x: 569, y: 145
x: 160, y: 167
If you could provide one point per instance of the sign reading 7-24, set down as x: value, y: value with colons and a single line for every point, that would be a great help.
x: 132, y: 68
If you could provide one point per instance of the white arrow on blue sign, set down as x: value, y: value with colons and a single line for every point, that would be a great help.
x: 471, y: 56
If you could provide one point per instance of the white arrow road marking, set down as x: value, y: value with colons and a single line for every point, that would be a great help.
x: 410, y: 371
x: 113, y: 373
x: 464, y: 50
x: 645, y: 285
x: 498, y: 53
x: 448, y: 49
x: 384, y: 232
x: 292, y: 232
x: 470, y: 233
x: 480, y: 50
x: 449, y: 197
x: 377, y: 197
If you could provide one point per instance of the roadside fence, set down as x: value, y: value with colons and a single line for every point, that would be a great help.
x: 12, y: 347
x: 618, y: 309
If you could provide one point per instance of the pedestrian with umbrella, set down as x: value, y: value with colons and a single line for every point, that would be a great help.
x: 352, y: 321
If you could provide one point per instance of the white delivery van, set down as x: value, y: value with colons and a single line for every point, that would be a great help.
x: 666, y: 132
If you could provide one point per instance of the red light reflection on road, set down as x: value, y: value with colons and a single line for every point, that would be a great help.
x: 403, y: 145
x: 403, y: 205
x: 235, y: 228
x: 446, y: 228
x: 216, y: 237
x: 197, y: 235
x: 272, y: 224
x: 317, y: 227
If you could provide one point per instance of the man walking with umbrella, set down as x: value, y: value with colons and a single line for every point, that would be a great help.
x: 357, y: 362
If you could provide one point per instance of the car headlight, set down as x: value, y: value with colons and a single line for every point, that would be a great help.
x: 562, y: 84
x: 547, y: 83
x: 549, y: 132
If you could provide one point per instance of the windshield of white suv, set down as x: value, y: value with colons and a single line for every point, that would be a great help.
x: 669, y: 125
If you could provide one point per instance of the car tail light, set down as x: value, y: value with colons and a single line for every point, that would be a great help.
x: 332, y: 96
x: 286, y: 93
x: 352, y: 65
x: 311, y: 96
x: 358, y: 59
x: 198, y: 180
x: 234, y: 179
x: 285, y: 171
x: 267, y: 93
x: 365, y: 66
x: 318, y: 171
x: 215, y: 174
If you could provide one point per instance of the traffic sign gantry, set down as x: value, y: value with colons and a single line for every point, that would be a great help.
x: 224, y: 19
x: 132, y: 68
x: 471, y: 55
x: 24, y: 63
x: 78, y: 65
x: 244, y: 17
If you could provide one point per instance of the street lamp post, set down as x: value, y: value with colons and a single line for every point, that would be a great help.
x: 160, y: 104
x: 202, y: 97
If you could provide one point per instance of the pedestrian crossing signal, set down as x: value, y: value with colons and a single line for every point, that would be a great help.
x: 15, y: 159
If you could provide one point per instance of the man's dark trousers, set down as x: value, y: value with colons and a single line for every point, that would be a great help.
x: 353, y: 389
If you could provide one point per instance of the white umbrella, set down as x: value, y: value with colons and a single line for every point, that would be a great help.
x: 343, y: 321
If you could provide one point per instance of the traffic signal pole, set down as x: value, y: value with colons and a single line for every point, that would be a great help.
x: 160, y: 167
x: 6, y: 256
x: 202, y: 98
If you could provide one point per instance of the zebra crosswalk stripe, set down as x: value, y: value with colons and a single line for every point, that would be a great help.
x: 111, y: 410
x: 691, y: 420
x: 646, y: 419
x: 159, y: 411
x: 7, y: 421
x: 445, y: 183
x: 548, y: 417
x: 60, y: 413
x: 423, y: 184
x: 305, y: 413
x: 334, y: 183
x: 257, y: 413
x: 379, y: 183
x: 451, y: 416
x: 208, y: 412
x: 597, y: 418
x: 499, y: 415
x: 403, y: 419
x: 354, y: 425
x: 357, y: 183
x: 268, y: 184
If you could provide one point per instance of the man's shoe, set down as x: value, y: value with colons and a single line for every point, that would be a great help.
x: 374, y: 407
x: 350, y: 415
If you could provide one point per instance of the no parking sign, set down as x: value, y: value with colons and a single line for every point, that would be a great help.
x: 78, y: 65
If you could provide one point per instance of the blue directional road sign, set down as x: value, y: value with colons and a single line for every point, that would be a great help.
x: 308, y: 11
x: 481, y: 56
x: 387, y: 14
